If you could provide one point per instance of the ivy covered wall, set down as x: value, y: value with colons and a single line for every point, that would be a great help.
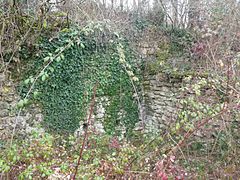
x: 59, y: 75
x: 62, y: 72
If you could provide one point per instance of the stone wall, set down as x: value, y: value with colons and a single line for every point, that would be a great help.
x: 25, y: 122
x: 161, y: 96
x: 161, y: 106
x: 160, y: 103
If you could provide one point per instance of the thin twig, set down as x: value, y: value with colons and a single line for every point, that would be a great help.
x: 197, y: 127
x: 86, y: 131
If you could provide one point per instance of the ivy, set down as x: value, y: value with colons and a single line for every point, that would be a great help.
x: 68, y: 68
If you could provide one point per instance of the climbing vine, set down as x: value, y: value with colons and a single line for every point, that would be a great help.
x: 61, y: 75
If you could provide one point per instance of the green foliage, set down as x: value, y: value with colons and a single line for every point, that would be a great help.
x: 203, y: 107
x: 141, y: 24
x: 163, y: 52
x: 180, y: 39
x: 172, y: 53
x: 30, y: 28
x: 75, y: 61
x: 194, y: 108
x: 40, y: 155
x: 35, y: 157
x: 160, y: 64
x: 45, y: 156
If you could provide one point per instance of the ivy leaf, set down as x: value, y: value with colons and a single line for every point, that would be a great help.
x: 20, y: 104
x: 35, y: 94
x: 57, y: 50
x: 26, y: 81
x: 44, y: 23
x: 177, y: 126
x: 41, y: 73
x: 218, y: 108
x: 62, y: 56
x: 46, y: 59
x: 25, y: 101
x: 51, y: 69
x: 58, y: 59
x: 82, y: 45
x: 31, y: 79
x: 44, y: 77
x: 65, y: 30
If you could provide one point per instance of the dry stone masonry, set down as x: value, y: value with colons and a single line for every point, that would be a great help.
x: 25, y: 122
x: 160, y: 98
x: 161, y: 101
x: 161, y: 104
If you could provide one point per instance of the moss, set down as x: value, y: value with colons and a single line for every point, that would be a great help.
x: 162, y: 64
x: 162, y: 55
x: 152, y: 68
x: 155, y: 67
x: 182, y: 74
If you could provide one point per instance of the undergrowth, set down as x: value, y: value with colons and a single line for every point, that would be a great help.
x: 108, y: 157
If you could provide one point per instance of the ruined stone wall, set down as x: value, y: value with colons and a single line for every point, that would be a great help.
x: 27, y: 119
x: 160, y: 103
x: 161, y: 96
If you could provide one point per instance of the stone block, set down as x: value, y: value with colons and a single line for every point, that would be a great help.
x: 4, y: 113
x: 4, y: 105
x: 9, y: 98
x: 153, y: 82
x: 2, y: 77
x: 38, y: 118
x: 159, y: 103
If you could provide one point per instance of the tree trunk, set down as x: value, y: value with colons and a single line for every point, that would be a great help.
x: 112, y: 4
x: 134, y: 4
x: 104, y: 3
x: 121, y: 5
x: 175, y: 12
x: 193, y: 13
x: 139, y: 6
